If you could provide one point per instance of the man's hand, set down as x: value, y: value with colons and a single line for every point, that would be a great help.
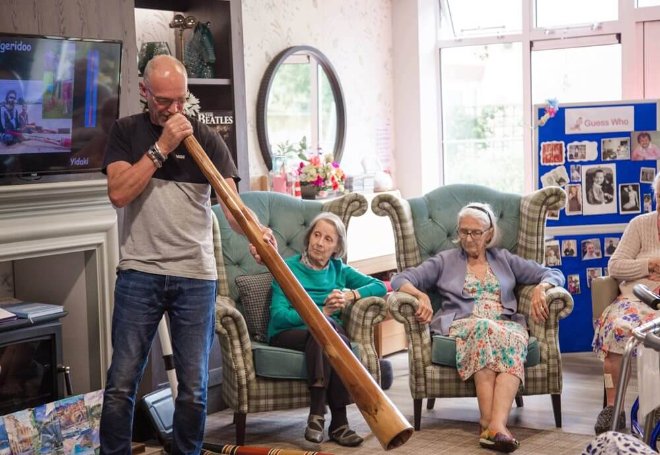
x: 267, y: 238
x: 175, y: 130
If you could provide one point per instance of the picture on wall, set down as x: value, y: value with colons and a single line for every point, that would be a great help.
x: 629, y: 198
x: 599, y: 183
x: 573, y: 283
x: 593, y: 272
x: 647, y: 174
x: 591, y: 249
x: 552, y: 254
x: 645, y: 147
x: 569, y: 248
x: 574, y: 203
x: 576, y: 173
x: 615, y: 148
x: 552, y: 153
x: 648, y: 205
x: 610, y: 245
x: 556, y: 177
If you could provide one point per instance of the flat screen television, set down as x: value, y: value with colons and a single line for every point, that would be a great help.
x: 58, y: 99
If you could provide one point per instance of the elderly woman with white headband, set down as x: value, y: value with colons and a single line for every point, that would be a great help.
x: 478, y: 307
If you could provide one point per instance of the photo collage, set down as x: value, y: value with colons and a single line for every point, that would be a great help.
x: 587, y: 170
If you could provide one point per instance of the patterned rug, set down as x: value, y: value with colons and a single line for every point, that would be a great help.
x: 284, y: 429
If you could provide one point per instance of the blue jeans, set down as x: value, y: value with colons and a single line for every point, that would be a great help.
x: 140, y: 301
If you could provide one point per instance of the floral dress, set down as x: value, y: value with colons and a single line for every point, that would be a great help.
x: 614, y: 327
x: 485, y: 339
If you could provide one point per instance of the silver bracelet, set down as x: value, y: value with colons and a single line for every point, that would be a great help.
x: 151, y: 153
x: 159, y: 154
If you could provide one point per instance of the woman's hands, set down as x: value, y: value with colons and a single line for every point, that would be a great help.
x: 424, y: 310
x: 335, y: 301
x: 654, y: 266
x: 540, y: 310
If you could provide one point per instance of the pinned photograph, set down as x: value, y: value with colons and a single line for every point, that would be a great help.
x: 648, y: 205
x: 593, y: 272
x: 576, y: 173
x: 569, y: 248
x: 574, y: 203
x: 552, y: 214
x: 582, y: 151
x: 629, y: 198
x: 610, y: 245
x: 552, y: 153
x: 552, y: 254
x: 591, y: 249
x: 556, y: 177
x: 615, y: 148
x: 573, y: 283
x: 599, y: 189
x: 647, y: 174
x: 605, y: 272
x: 645, y: 145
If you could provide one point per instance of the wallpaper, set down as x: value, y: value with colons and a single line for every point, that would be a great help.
x: 356, y: 36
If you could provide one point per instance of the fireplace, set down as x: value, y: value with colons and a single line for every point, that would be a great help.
x: 61, y: 241
x: 29, y: 359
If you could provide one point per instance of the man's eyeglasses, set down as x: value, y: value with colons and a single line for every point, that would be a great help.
x: 476, y: 234
x: 167, y: 102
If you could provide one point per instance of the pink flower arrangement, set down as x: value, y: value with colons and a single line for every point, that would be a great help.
x: 320, y: 171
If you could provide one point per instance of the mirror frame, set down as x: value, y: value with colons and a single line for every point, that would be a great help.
x: 264, y: 91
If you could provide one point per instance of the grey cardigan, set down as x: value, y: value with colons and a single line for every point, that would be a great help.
x: 446, y: 272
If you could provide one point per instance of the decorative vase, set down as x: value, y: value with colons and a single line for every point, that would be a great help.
x: 309, y: 191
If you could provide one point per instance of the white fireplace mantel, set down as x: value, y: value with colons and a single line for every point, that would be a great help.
x: 46, y: 219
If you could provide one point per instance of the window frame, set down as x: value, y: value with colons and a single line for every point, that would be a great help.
x: 627, y: 29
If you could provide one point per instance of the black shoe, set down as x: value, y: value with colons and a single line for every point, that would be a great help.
x: 604, y: 420
x: 314, y: 430
x: 344, y: 436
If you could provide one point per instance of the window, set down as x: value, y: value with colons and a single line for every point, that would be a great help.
x: 556, y: 13
x: 480, y: 17
x: 482, y: 108
x: 499, y: 59
x: 578, y: 74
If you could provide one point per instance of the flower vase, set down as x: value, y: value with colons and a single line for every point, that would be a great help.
x: 309, y: 191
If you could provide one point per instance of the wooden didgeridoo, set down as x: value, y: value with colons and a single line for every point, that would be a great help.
x: 385, y: 420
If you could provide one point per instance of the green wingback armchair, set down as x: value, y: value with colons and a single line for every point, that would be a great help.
x: 257, y: 377
x: 425, y: 225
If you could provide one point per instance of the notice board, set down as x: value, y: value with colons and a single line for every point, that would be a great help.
x: 605, y: 156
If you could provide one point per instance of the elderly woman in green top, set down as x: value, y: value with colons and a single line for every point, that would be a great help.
x: 332, y: 285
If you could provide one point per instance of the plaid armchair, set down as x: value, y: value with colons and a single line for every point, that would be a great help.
x: 257, y: 377
x: 424, y: 226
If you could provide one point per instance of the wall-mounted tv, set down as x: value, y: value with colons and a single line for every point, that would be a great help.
x: 58, y: 100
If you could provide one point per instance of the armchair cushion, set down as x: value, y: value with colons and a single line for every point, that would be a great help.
x: 281, y: 363
x: 443, y: 351
x: 255, y: 292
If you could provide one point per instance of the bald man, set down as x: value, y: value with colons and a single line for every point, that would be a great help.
x: 166, y: 254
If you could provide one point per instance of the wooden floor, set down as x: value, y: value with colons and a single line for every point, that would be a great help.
x: 582, y: 397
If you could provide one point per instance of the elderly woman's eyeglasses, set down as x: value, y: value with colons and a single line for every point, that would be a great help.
x: 476, y: 234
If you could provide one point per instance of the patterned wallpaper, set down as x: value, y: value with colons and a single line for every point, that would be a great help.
x: 356, y: 36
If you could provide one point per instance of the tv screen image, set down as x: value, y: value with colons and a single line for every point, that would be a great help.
x: 58, y: 100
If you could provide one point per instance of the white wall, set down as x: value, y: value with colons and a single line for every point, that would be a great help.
x: 356, y: 36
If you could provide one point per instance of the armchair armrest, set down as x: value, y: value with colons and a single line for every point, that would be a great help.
x: 399, y: 212
x: 360, y: 319
x: 403, y: 307
x: 603, y: 292
x: 237, y: 365
x: 347, y: 206
x: 560, y: 305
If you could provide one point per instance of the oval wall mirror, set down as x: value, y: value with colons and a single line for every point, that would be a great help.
x: 300, y: 106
